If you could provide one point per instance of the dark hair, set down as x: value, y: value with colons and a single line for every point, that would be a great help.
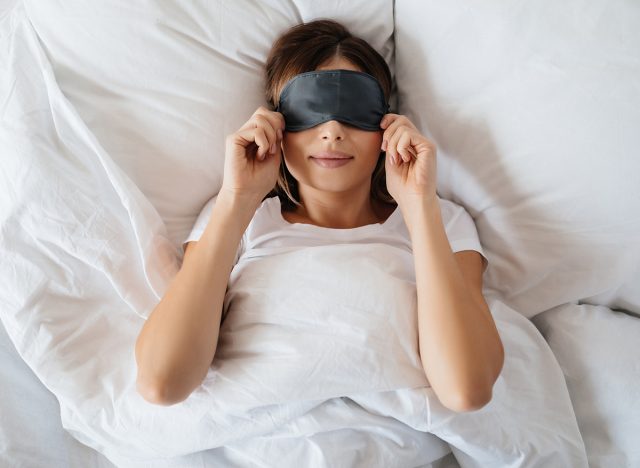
x: 303, y: 48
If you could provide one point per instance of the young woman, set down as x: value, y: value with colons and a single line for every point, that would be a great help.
x: 329, y: 163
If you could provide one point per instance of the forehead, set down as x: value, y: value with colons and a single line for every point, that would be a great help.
x: 336, y: 63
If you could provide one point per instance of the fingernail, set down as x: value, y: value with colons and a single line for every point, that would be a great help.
x: 273, y: 148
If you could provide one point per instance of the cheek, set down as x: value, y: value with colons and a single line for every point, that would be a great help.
x: 370, y: 142
x: 294, y: 144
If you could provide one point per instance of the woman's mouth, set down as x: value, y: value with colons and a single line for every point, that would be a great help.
x: 330, y: 162
x: 331, y: 159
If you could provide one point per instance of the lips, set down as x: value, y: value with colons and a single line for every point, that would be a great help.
x: 331, y: 163
x: 331, y: 155
x: 331, y: 159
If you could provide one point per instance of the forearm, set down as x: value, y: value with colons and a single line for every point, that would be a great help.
x: 459, y: 344
x: 178, y: 341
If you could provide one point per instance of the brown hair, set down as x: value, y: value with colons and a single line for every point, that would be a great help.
x: 303, y: 48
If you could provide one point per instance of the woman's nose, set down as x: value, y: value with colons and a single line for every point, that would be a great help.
x: 332, y: 130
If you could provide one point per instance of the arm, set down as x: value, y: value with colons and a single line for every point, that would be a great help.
x: 178, y: 341
x: 460, y: 347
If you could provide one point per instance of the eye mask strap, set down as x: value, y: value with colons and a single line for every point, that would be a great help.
x: 349, y: 96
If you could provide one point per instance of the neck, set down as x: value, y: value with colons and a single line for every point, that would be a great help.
x: 338, y: 210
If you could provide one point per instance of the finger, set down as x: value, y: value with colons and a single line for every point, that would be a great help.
x: 278, y: 128
x: 406, y: 122
x: 276, y: 119
x: 281, y: 122
x: 251, y: 123
x: 272, y: 137
x: 404, y: 143
x: 384, y: 123
x: 413, y: 151
x: 395, y: 121
x: 389, y: 158
x: 386, y: 138
x: 393, y: 142
x: 387, y: 119
x: 398, y: 121
x: 246, y: 137
x: 262, y: 141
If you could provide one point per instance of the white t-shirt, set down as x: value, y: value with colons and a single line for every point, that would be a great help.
x: 269, y: 232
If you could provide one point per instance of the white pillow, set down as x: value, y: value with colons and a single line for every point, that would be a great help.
x: 534, y: 108
x: 162, y: 85
x: 597, y: 349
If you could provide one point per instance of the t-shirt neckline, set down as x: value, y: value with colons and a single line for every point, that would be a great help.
x: 276, y: 207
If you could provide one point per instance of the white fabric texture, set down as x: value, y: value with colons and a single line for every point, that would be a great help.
x: 30, y: 431
x: 597, y: 349
x: 113, y: 118
x: 269, y: 230
x: 84, y: 257
x: 534, y: 107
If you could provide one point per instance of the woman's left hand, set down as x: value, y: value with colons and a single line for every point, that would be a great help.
x: 410, y: 163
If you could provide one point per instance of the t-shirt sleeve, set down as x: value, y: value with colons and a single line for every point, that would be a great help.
x: 201, y: 224
x: 460, y: 228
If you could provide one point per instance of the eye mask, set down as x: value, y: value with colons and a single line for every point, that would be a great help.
x: 352, y: 97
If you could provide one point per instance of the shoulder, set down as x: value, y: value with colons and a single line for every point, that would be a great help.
x: 449, y: 209
x: 266, y: 219
x: 455, y: 215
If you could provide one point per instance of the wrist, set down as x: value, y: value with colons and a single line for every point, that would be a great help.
x: 420, y: 212
x: 239, y: 200
x: 234, y: 210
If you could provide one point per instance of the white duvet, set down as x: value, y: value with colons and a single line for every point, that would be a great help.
x: 326, y: 371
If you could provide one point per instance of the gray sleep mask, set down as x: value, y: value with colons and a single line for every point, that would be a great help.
x: 349, y: 96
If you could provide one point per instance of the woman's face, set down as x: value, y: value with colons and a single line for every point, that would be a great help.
x: 362, y: 146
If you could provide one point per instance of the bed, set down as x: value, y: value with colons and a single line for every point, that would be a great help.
x: 114, y: 116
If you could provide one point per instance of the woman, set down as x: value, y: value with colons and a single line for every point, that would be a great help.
x: 330, y: 160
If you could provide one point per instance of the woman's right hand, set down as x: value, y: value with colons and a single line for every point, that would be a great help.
x: 250, y: 168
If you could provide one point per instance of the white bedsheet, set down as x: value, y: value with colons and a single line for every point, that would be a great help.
x: 84, y: 257
x: 30, y: 431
